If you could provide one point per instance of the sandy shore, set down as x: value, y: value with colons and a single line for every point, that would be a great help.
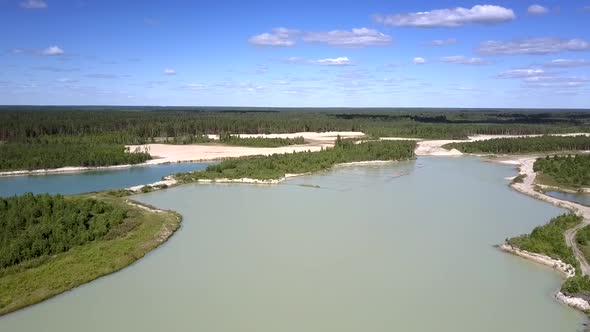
x: 527, y: 187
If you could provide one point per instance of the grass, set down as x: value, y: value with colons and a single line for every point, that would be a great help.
x: 34, y: 281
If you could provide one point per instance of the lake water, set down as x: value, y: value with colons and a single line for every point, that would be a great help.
x: 400, y: 247
x: 583, y: 199
x: 75, y: 183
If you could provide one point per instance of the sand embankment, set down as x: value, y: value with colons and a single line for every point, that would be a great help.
x: 527, y: 187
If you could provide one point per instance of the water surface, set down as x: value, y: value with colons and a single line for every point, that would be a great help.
x: 75, y: 183
x: 401, y: 247
x: 583, y: 199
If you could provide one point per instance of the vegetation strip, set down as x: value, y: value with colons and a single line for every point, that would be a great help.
x: 51, y: 244
x: 521, y: 145
x: 277, y: 166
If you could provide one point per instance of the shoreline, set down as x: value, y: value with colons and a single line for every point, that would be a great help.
x: 527, y: 187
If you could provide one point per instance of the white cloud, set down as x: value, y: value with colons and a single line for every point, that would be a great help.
x: 419, y: 61
x: 278, y: 37
x: 33, y: 4
x: 340, y: 61
x: 169, y: 71
x: 52, y: 51
x: 537, y: 10
x: 451, y: 17
x: 441, y: 42
x: 544, y: 45
x: 521, y: 73
x: 538, y: 78
x: 462, y: 60
x: 567, y: 63
x: 360, y: 37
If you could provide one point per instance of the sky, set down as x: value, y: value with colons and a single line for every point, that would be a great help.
x: 509, y: 54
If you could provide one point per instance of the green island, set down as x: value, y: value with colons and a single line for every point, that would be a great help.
x: 96, y: 136
x: 549, y: 240
x: 52, y: 243
x: 523, y: 145
x: 277, y: 166
x: 569, y: 171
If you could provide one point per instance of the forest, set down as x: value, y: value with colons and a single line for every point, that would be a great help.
x: 32, y: 226
x: 515, y: 145
x: 277, y: 165
x: 95, y: 136
x: 263, y: 142
x: 568, y: 171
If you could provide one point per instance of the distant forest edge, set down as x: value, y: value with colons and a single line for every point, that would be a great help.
x: 50, y: 137
x: 515, y: 145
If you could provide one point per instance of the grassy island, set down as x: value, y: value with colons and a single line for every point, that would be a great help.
x: 52, y: 243
x: 519, y: 145
x: 277, y: 166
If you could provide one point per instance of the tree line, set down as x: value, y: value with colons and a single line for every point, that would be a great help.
x: 516, y: 145
x: 277, y: 165
x: 33, y: 226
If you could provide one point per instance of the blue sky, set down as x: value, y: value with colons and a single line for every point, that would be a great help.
x: 295, y: 53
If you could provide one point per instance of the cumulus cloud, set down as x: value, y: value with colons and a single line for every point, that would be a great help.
x: 451, y: 17
x: 463, y: 60
x: 278, y: 37
x: 441, y: 42
x: 419, y: 61
x: 537, y: 10
x: 52, y: 51
x: 544, y: 45
x: 169, y: 71
x: 33, y: 4
x: 521, y: 73
x: 339, y: 61
x: 568, y: 63
x: 359, y: 37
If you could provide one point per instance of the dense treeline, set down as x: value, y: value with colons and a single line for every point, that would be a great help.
x: 229, y: 139
x: 17, y: 156
x: 524, y: 144
x: 26, y: 128
x: 132, y: 124
x: 32, y: 226
x: 277, y: 165
x: 569, y: 171
x: 549, y: 239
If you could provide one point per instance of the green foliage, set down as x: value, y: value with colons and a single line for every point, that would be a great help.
x: 579, y: 285
x: 277, y: 165
x: 32, y: 226
x: 35, y: 280
x: 549, y: 239
x: 569, y: 171
x: 17, y: 156
x: 524, y: 144
x: 264, y: 142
